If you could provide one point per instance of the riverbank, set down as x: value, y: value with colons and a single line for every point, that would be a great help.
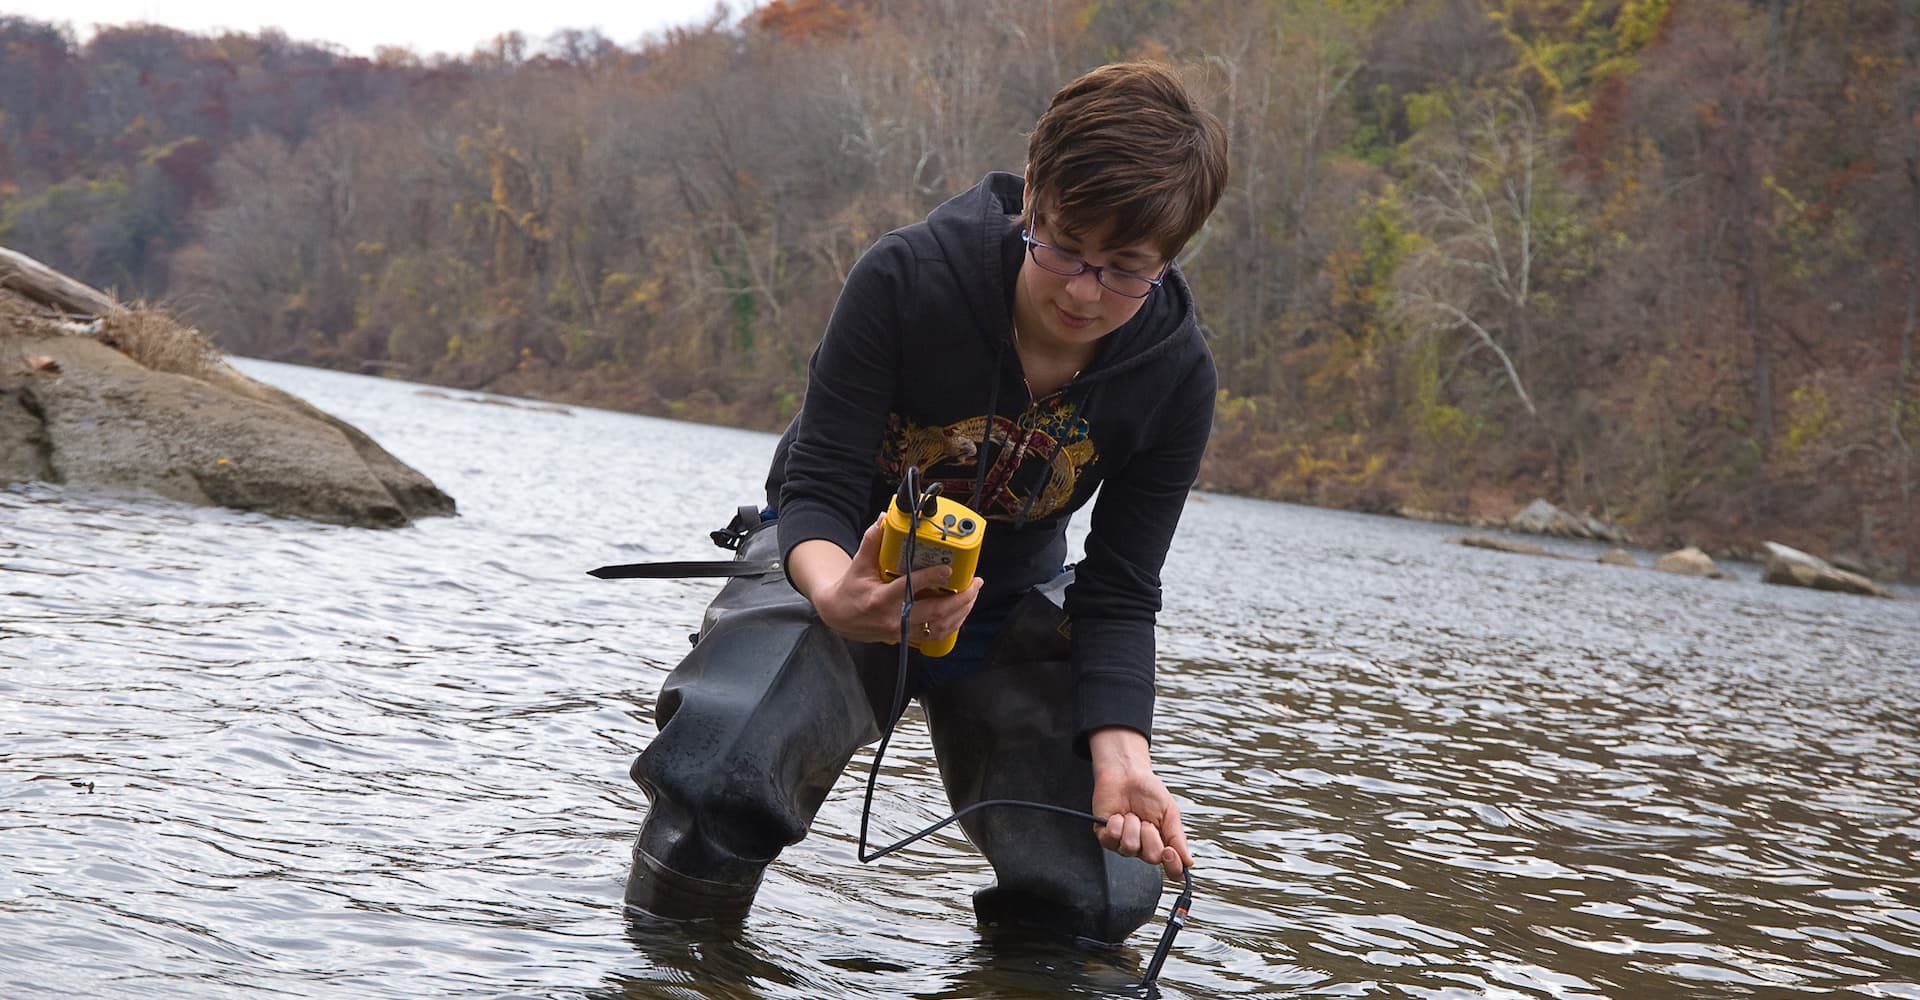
x: 1353, y: 472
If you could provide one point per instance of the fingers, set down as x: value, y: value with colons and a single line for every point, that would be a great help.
x: 930, y: 581
x: 1180, y: 856
x: 863, y: 605
x: 927, y: 598
x: 1128, y: 837
x: 1165, y: 845
x: 938, y: 610
x: 868, y: 554
x: 1169, y: 857
x: 1152, y: 849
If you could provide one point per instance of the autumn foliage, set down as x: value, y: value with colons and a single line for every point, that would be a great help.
x: 1654, y: 259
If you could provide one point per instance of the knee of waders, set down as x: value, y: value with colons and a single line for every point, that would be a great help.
x: 708, y: 816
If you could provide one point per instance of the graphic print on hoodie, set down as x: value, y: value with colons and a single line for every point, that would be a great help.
x: 1035, y: 459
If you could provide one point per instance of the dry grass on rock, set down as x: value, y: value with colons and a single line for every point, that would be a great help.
x: 144, y: 334
x: 157, y: 342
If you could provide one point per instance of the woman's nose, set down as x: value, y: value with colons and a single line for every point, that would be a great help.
x: 1084, y: 286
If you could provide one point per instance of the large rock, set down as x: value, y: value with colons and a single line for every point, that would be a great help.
x: 74, y: 410
x: 1795, y: 568
x: 1504, y: 545
x: 1543, y: 518
x: 1604, y: 530
x: 1689, y: 561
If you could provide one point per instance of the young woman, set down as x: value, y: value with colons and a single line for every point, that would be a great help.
x: 1030, y: 341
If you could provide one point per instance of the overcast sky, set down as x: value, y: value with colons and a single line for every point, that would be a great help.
x: 361, y: 25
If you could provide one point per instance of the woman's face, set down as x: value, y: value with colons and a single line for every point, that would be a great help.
x: 1076, y: 311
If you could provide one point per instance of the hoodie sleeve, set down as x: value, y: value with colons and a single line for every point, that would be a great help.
x: 1116, y: 591
x: 829, y: 467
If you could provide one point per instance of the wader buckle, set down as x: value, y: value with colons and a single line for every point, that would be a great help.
x: 745, y: 519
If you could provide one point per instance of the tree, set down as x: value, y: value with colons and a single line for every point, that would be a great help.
x: 1474, y: 197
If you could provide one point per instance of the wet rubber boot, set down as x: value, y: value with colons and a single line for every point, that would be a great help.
x: 1006, y: 732
x: 755, y: 724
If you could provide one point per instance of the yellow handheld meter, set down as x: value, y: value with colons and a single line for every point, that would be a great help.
x: 949, y: 535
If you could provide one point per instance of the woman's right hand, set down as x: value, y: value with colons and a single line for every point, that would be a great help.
x: 854, y: 600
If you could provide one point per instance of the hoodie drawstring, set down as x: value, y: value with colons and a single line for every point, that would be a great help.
x: 986, y: 433
x: 1033, y: 492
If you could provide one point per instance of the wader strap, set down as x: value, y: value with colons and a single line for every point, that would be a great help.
x: 746, y: 521
x: 689, y: 568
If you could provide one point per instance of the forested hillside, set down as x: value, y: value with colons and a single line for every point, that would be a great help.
x: 1654, y: 259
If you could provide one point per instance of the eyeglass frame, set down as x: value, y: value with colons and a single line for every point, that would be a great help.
x: 1027, y: 237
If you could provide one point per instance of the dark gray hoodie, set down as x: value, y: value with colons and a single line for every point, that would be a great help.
x: 918, y: 352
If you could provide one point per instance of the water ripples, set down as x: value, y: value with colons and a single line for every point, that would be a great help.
x: 249, y: 755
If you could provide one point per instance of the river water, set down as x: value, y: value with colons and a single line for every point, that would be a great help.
x: 246, y: 756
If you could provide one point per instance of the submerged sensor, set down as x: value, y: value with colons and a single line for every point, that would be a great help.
x: 932, y: 530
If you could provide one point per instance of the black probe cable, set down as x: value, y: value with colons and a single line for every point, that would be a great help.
x: 1176, y: 915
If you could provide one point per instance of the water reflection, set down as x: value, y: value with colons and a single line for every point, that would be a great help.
x: 728, y: 963
x: 697, y: 960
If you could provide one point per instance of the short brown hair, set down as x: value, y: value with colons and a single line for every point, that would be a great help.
x: 1126, y: 144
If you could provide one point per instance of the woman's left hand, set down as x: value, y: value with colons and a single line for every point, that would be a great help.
x: 1143, y: 821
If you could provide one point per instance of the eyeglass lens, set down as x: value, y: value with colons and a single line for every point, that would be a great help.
x: 1060, y: 262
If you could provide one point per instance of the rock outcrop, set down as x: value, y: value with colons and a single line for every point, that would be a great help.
x: 1504, y: 545
x: 1543, y: 518
x: 1689, y: 561
x: 1795, y: 568
x: 129, y: 401
x: 1784, y: 565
